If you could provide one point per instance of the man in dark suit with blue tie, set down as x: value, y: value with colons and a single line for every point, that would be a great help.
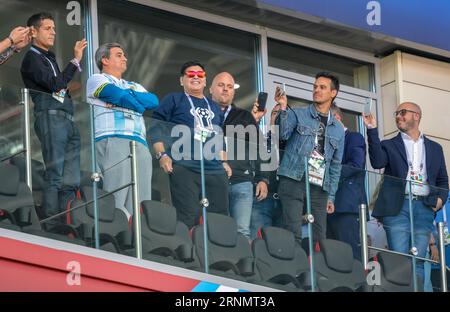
x: 343, y: 224
x: 414, y: 169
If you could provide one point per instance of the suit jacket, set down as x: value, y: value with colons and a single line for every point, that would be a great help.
x: 391, y: 155
x: 351, y: 191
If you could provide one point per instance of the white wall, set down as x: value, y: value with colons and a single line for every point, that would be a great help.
x: 406, y: 77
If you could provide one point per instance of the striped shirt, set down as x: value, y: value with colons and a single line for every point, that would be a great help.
x: 115, y: 121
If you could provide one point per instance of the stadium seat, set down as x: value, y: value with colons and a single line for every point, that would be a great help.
x: 229, y: 252
x: 17, y: 210
x: 336, y: 269
x: 396, y: 273
x: 164, y: 239
x: 114, y: 229
x: 279, y: 260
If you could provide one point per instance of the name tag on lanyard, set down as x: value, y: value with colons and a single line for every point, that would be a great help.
x: 316, y: 168
x: 202, y: 120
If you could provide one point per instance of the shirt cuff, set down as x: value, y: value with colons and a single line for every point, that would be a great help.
x: 75, y: 62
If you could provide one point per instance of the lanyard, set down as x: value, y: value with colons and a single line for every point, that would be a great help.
x: 40, y: 53
x: 197, y: 121
x: 226, y: 113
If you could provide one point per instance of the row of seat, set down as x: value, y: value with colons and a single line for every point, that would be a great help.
x: 274, y: 259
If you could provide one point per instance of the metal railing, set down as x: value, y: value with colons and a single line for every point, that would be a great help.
x: 365, y: 250
x: 137, y: 218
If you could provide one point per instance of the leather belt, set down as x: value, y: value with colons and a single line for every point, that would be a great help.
x: 415, y: 197
x: 56, y: 112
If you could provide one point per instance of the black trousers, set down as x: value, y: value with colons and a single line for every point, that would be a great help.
x: 293, y: 200
x: 186, y: 191
x: 344, y: 227
x: 60, y: 144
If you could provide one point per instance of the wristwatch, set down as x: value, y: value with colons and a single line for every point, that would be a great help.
x: 160, y: 155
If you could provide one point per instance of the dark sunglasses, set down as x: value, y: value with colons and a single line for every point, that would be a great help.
x: 193, y: 73
x: 403, y: 112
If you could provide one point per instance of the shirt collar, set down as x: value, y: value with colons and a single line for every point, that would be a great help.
x: 46, y: 53
x: 406, y: 137
x: 114, y: 78
x: 315, y: 114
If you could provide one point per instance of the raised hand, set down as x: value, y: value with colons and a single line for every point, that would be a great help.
x: 79, y: 48
x: 257, y: 114
x: 20, y: 34
x: 369, y: 121
x: 281, y: 98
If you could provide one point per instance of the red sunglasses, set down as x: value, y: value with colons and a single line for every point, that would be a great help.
x: 193, y: 73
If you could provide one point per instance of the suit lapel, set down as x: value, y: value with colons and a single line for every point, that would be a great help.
x: 398, y: 142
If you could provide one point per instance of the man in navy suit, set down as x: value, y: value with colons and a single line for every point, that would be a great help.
x: 343, y: 224
x: 410, y: 156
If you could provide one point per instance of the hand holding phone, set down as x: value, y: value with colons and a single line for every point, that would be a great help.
x: 280, y: 97
x: 262, y: 101
x: 368, y: 107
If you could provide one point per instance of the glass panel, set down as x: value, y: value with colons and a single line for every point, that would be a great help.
x: 157, y: 43
x: 11, y: 122
x: 434, y: 269
x: 70, y: 27
x: 272, y: 256
x: 40, y: 211
x: 309, y: 62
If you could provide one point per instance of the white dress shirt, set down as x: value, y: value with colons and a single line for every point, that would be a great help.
x: 416, y: 156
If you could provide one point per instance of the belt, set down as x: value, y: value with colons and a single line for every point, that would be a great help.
x: 56, y: 112
x: 415, y: 197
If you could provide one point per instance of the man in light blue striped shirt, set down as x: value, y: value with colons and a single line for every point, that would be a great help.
x: 118, y: 113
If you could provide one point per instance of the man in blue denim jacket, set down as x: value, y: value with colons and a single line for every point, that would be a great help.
x: 310, y: 131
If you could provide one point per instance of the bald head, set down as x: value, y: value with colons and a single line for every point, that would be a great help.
x: 222, y: 89
x: 408, y: 117
x: 411, y: 106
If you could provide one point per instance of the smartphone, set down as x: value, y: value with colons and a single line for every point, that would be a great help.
x: 368, y: 107
x: 262, y: 100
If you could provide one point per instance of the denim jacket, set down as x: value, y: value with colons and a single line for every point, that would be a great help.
x: 299, y: 127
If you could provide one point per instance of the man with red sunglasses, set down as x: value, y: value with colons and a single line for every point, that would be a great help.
x: 410, y: 156
x: 193, y: 113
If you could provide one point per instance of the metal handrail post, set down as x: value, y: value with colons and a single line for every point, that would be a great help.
x: 413, y: 250
x: 363, y: 233
x: 136, y: 210
x: 442, y: 256
x: 205, y: 203
x: 27, y: 137
x: 310, y: 219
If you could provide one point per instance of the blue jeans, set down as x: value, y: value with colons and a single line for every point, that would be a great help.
x: 266, y: 213
x: 241, y: 201
x: 398, y: 231
x: 60, y: 143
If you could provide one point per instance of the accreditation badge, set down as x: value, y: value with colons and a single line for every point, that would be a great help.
x: 59, y: 96
x: 316, y: 168
x: 416, y: 178
x: 201, y: 134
